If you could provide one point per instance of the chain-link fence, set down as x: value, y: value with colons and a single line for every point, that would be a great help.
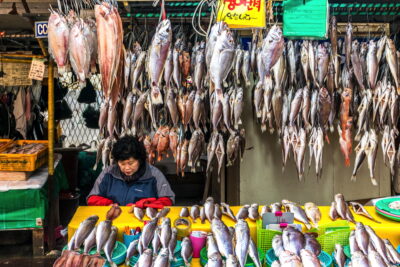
x: 74, y: 130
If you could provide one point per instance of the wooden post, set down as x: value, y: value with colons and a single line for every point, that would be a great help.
x: 38, y: 242
x: 50, y: 123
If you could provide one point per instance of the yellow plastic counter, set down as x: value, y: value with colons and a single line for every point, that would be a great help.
x: 386, y: 229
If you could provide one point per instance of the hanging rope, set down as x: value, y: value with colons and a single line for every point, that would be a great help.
x: 163, y: 14
x: 198, y: 28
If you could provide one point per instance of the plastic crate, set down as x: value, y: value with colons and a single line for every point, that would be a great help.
x: 323, y: 257
x: 264, y: 237
x: 4, y: 143
x: 24, y: 162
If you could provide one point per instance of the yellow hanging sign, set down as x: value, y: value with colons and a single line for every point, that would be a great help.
x: 240, y: 14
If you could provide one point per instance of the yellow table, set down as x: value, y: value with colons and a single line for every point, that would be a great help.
x: 387, y: 229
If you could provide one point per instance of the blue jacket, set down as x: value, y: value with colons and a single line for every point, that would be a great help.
x: 112, y: 185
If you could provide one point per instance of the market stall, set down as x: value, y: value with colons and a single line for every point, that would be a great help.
x: 334, y: 235
x: 164, y: 103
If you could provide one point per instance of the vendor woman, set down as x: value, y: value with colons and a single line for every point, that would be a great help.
x: 131, y: 180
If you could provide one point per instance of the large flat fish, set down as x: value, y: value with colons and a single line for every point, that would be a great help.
x: 58, y: 37
x: 79, y: 51
x: 109, y: 37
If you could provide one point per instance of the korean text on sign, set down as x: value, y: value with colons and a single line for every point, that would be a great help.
x: 242, y: 13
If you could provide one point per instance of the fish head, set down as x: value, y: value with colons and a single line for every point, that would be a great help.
x: 349, y: 28
x: 355, y: 46
x: 215, y: 257
x: 276, y: 33
x: 93, y: 218
x: 166, y: 221
x: 321, y: 50
x: 338, y: 247
x: 364, y: 47
x: 333, y: 23
x: 202, y: 45
x: 372, y: 45
x: 323, y: 92
x: 225, y: 40
x: 232, y: 260
x: 210, y: 199
x: 339, y: 197
x: 289, y: 45
x: 164, y: 253
x: 164, y: 31
x: 56, y: 18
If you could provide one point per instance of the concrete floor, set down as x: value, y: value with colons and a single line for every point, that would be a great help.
x: 16, y: 250
x: 28, y: 262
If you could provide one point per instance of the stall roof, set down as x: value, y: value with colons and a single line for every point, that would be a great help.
x: 17, y: 17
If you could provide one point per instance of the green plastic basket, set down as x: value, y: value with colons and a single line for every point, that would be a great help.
x: 264, y: 237
x: 118, y: 256
x: 329, y: 240
x: 333, y: 233
x: 323, y: 257
x: 249, y: 261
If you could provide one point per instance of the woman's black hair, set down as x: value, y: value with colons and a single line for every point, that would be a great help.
x: 129, y: 147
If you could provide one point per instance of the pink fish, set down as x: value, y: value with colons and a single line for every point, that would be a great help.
x: 58, y: 34
x: 109, y: 35
x: 79, y: 51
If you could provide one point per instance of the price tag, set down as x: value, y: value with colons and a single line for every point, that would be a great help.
x: 37, y: 69
x: 239, y: 14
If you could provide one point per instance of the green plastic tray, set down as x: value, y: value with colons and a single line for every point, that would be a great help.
x: 382, y: 207
x: 323, y: 257
x: 249, y: 261
x: 118, y: 255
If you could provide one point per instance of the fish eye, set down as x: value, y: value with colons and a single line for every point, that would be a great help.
x: 168, y: 30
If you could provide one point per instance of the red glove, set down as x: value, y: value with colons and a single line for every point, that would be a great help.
x: 154, y: 203
x: 99, y: 201
x: 160, y: 203
x: 142, y: 203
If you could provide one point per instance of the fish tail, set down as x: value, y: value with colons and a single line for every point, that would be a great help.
x: 95, y: 167
x: 263, y: 127
x: 353, y: 178
x: 271, y: 130
x: 327, y: 139
x: 308, y: 226
x: 347, y: 162
x: 374, y: 181
x: 113, y: 264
